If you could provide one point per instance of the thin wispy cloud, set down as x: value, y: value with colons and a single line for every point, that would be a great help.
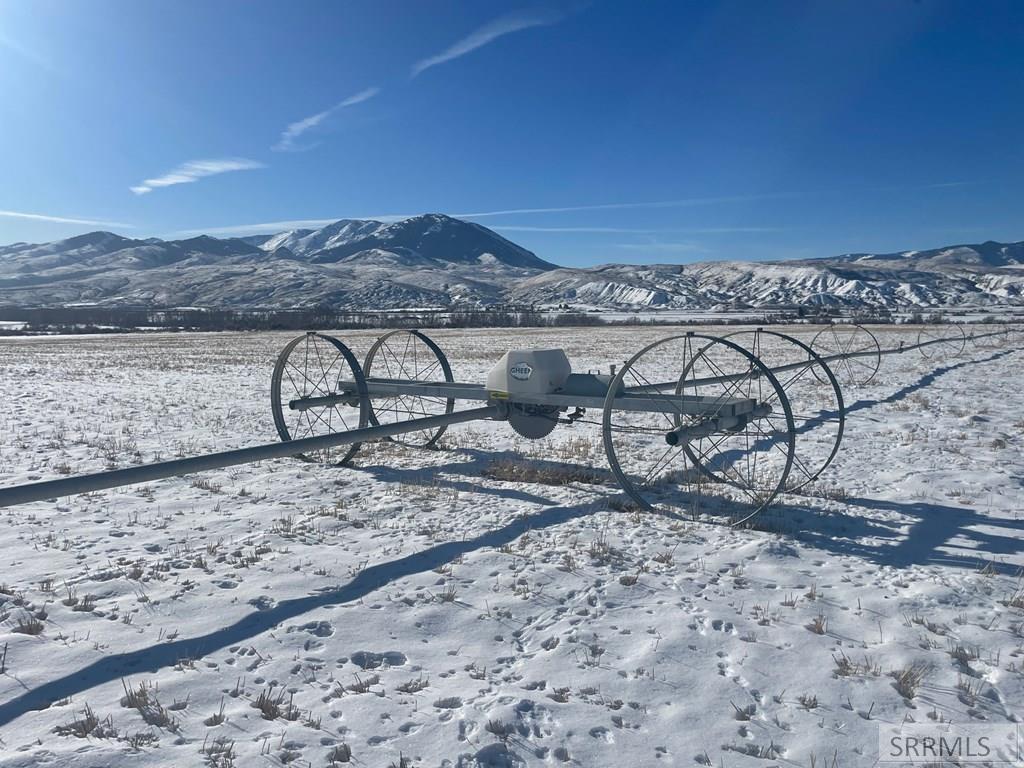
x: 26, y: 52
x: 632, y: 231
x: 194, y: 170
x: 63, y: 219
x: 263, y: 228
x: 478, y: 38
x: 684, y: 203
x: 266, y: 227
x: 294, y: 130
x: 278, y: 226
x: 271, y: 227
x: 944, y: 184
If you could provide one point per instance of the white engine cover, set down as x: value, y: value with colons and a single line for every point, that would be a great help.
x: 529, y: 372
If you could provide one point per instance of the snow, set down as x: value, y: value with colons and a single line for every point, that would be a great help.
x: 414, y: 606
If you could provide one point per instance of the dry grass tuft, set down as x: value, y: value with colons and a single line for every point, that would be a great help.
x: 541, y: 473
x: 819, y: 624
x: 909, y: 679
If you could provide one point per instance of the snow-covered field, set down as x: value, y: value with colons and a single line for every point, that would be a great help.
x: 418, y: 610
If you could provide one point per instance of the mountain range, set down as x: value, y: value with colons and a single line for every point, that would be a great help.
x: 435, y: 260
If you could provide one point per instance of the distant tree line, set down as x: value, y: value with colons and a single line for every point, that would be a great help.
x: 33, y: 320
x: 20, y: 321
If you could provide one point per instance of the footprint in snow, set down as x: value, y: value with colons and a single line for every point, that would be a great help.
x: 533, y: 718
x: 371, y: 660
x: 263, y: 603
x: 493, y: 756
x: 317, y: 628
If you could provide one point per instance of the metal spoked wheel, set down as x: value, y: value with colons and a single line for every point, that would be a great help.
x: 715, y: 442
x: 851, y: 350
x: 942, y: 341
x: 410, y: 356
x: 988, y: 337
x: 815, y: 398
x: 312, y: 371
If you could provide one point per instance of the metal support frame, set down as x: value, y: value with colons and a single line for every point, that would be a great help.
x: 629, y: 400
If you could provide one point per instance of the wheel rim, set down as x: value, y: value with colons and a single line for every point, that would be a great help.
x: 815, y: 399
x: 948, y: 343
x: 848, y: 340
x: 314, y: 365
x: 989, y: 338
x: 725, y: 476
x: 409, y: 356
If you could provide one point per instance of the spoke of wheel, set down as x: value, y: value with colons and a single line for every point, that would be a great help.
x: 326, y: 380
x: 305, y: 364
x: 319, y: 417
x: 714, y: 447
x: 309, y: 424
x: 794, y: 378
x: 341, y: 416
x: 760, y: 399
x: 775, y: 443
x: 862, y: 363
x: 316, y: 348
x: 295, y: 389
x: 658, y: 465
x: 405, y: 352
x: 422, y: 376
x: 849, y: 368
x: 737, y: 482
x: 385, y: 348
x: 727, y: 389
x: 637, y: 378
x: 434, y: 399
x: 304, y: 376
x: 796, y: 455
x: 293, y: 432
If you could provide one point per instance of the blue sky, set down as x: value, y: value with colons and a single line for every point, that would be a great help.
x: 589, y: 132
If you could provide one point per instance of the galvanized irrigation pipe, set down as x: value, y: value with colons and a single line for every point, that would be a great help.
x: 804, y: 363
x: 98, y: 481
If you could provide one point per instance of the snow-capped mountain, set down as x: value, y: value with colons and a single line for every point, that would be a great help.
x: 988, y: 254
x: 431, y: 260
x: 744, y: 285
x: 438, y: 261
